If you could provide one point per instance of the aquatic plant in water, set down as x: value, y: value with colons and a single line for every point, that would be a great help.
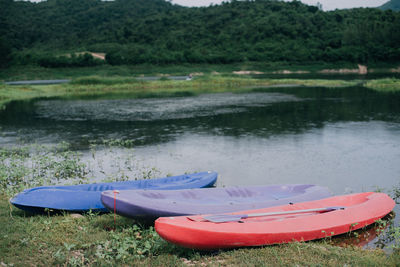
x: 396, y: 194
x: 36, y: 165
x: 29, y: 166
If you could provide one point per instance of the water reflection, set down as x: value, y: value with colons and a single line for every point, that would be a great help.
x: 377, y: 235
x: 155, y: 109
x: 155, y: 121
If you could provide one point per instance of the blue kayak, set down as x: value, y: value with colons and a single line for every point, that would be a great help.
x: 85, y: 197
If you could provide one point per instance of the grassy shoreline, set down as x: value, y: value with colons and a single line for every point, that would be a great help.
x: 388, y: 85
x: 98, y: 86
x: 96, y: 240
x: 92, y: 239
x: 117, y: 80
x: 113, y: 80
x: 32, y: 72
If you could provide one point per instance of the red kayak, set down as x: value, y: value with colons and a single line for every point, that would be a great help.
x: 298, y: 222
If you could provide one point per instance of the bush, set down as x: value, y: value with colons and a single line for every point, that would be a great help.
x: 5, y: 53
x: 82, y: 60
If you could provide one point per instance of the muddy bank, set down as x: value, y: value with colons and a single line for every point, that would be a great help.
x: 362, y: 69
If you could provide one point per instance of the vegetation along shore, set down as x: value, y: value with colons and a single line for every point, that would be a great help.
x: 93, y: 239
x: 113, y: 86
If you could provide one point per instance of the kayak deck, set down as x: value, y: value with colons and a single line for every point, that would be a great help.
x: 85, y: 197
x: 147, y: 204
x: 359, y: 210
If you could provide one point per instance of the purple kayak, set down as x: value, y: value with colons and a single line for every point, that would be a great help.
x: 151, y: 204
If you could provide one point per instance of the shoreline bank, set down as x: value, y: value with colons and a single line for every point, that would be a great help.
x: 100, y: 86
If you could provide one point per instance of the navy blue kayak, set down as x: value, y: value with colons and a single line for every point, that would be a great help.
x: 85, y: 197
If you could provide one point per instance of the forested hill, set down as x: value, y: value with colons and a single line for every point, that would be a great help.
x: 392, y: 4
x: 69, y: 23
x: 155, y: 31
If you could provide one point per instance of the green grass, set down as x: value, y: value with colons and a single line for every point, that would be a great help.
x: 93, y: 80
x: 95, y: 240
x: 92, y: 86
x: 11, y: 93
x: 315, y: 82
x: 384, y: 85
x: 111, y: 81
x: 30, y: 72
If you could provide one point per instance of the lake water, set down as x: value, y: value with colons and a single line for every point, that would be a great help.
x: 347, y: 139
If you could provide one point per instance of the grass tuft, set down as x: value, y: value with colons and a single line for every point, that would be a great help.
x: 94, y: 80
x: 388, y: 85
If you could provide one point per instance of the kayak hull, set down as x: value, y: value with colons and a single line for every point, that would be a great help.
x: 151, y: 204
x: 85, y: 197
x: 359, y: 211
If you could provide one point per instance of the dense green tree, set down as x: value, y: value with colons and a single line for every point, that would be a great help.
x: 156, y: 31
x: 5, y: 53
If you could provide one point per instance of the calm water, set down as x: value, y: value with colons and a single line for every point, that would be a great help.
x: 345, y: 139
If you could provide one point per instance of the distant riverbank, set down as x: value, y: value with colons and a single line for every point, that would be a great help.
x: 97, y: 86
x: 164, y: 81
x: 112, y: 87
x: 32, y: 72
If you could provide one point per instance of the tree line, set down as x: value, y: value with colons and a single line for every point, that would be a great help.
x: 158, y: 32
